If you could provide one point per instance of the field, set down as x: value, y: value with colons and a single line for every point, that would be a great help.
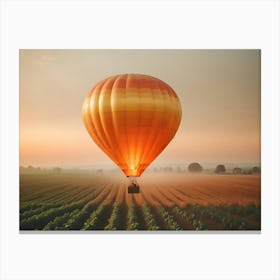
x: 167, y: 201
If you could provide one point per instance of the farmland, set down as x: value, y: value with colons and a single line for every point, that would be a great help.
x: 99, y: 201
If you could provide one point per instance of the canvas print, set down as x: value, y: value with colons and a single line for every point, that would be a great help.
x: 140, y: 140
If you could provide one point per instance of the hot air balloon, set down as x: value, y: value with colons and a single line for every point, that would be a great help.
x: 132, y: 118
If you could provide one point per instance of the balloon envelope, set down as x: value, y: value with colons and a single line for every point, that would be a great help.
x: 132, y: 118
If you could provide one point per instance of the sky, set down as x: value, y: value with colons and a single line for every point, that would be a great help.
x: 219, y: 91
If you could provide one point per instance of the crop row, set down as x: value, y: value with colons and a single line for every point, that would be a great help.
x: 95, y: 215
x: 114, y: 222
x: 231, y: 217
x: 38, y: 221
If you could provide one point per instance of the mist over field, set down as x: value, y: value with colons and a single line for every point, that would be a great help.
x: 207, y: 167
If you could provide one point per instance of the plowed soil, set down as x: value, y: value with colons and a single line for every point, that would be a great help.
x: 167, y: 189
x: 182, y: 189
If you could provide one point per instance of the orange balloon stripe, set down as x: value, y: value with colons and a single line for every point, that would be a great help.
x: 168, y: 133
x: 106, y: 114
x: 91, y: 129
x: 95, y: 117
x: 106, y: 121
x: 131, y: 123
x: 158, y: 122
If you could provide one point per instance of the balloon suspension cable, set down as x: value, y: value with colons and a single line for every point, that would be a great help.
x: 133, y: 180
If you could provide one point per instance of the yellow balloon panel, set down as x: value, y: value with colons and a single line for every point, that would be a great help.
x: 132, y: 118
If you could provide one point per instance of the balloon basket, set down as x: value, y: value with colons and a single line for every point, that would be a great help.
x: 133, y: 189
x: 133, y: 185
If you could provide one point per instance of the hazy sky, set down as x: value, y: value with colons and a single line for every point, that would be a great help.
x: 219, y: 92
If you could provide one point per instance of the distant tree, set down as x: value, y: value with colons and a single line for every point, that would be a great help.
x: 57, y: 170
x: 195, y: 167
x: 237, y: 170
x: 220, y: 169
x: 22, y: 168
x: 179, y: 169
x: 168, y: 169
x: 256, y: 170
x: 30, y: 169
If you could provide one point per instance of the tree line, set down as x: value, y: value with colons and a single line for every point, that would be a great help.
x: 195, y: 167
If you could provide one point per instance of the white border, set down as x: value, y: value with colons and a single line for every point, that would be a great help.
x: 155, y: 24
